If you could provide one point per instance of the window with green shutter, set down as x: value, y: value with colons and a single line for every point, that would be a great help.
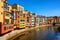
x: 7, y: 21
x: 5, y: 28
x: 10, y: 27
x: 7, y: 14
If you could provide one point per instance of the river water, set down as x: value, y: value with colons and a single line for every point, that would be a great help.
x: 44, y: 33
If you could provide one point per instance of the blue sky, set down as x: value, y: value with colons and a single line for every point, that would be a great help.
x: 40, y: 7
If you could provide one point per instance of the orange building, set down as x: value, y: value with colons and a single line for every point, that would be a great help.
x: 17, y: 19
x: 17, y: 10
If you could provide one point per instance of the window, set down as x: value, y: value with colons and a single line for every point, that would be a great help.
x: 7, y: 14
x: 7, y: 21
x: 22, y: 20
x: 0, y: 24
x: 27, y: 20
x: 10, y: 27
x: 5, y: 6
x: 5, y: 28
x: 32, y: 17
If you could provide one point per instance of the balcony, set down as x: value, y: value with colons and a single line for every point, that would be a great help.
x: 5, y: 7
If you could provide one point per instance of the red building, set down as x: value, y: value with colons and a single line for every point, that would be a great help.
x: 29, y: 22
x: 7, y: 25
x: 17, y: 19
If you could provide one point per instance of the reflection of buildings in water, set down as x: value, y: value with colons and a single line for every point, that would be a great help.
x: 29, y: 35
x: 43, y: 29
x: 43, y: 33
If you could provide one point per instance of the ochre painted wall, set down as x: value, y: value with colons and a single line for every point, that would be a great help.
x: 1, y: 12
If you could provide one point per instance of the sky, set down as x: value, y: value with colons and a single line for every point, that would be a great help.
x: 40, y: 7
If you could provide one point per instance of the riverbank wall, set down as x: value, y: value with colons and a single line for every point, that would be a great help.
x: 13, y: 34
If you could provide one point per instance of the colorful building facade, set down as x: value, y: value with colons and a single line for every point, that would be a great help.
x: 19, y: 16
x: 23, y: 19
x: 43, y: 20
x: 16, y: 15
x: 29, y: 22
x: 5, y: 21
x: 37, y: 21
x: 33, y: 18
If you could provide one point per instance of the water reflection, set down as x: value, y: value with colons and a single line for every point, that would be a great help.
x: 30, y: 35
x: 45, y: 33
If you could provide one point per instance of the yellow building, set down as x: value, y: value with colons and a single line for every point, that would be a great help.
x: 10, y: 8
x: 23, y: 20
x: 5, y: 17
x: 3, y: 9
x: 5, y: 12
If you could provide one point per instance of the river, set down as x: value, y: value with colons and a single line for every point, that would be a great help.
x: 44, y: 33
